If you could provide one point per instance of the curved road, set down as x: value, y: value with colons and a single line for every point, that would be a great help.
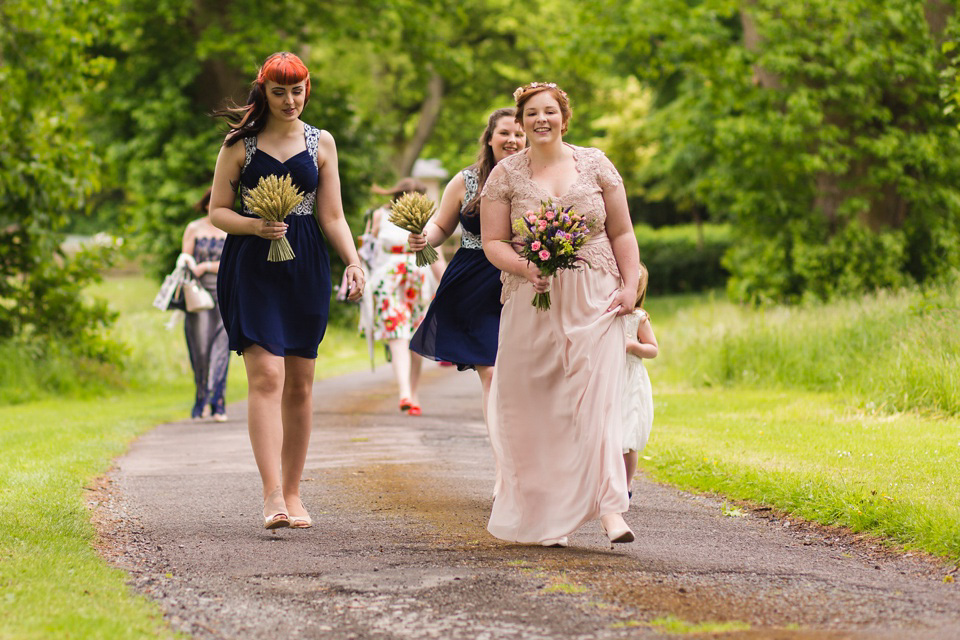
x: 400, y: 549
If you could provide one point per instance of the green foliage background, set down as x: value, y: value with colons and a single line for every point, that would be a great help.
x: 816, y: 129
x: 823, y: 135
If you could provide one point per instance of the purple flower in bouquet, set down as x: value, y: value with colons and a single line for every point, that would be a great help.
x: 550, y: 238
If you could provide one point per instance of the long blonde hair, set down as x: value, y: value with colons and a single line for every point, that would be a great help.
x: 642, y: 286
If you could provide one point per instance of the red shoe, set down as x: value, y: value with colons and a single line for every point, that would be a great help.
x: 415, y: 410
x: 405, y: 404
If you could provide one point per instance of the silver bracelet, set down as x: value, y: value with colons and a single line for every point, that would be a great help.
x: 355, y: 266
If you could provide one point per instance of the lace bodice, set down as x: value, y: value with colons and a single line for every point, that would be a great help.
x: 511, y: 182
x: 312, y: 138
x: 207, y: 248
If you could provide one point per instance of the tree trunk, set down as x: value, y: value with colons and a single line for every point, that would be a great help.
x: 937, y: 13
x: 698, y: 220
x: 429, y: 114
x: 752, y: 42
x: 218, y: 79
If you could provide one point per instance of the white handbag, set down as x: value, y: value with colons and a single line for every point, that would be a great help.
x: 196, y: 297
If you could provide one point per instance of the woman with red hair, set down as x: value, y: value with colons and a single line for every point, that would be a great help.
x: 275, y: 313
x: 554, y: 406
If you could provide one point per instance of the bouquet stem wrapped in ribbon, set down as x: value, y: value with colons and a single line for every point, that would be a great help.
x: 550, y: 238
x: 273, y: 199
x: 411, y: 212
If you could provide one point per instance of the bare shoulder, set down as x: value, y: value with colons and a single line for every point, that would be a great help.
x: 456, y: 185
x: 326, y: 147
x: 236, y: 151
x: 326, y: 139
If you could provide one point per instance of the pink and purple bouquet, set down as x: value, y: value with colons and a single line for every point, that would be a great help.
x: 550, y: 238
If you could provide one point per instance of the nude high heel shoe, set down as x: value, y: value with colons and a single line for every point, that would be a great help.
x: 556, y: 542
x: 275, y: 519
x: 619, y: 531
x: 301, y: 522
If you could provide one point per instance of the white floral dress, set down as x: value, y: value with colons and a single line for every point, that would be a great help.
x: 399, y: 286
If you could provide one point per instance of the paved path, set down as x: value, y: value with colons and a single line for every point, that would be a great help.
x: 400, y: 550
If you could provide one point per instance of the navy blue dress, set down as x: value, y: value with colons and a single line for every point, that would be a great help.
x: 281, y: 306
x: 463, y: 321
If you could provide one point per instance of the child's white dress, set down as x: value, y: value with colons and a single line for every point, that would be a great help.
x: 637, y: 393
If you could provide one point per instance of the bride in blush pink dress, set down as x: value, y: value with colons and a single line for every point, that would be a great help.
x: 554, y: 407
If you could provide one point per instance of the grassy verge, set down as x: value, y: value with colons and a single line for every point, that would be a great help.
x: 52, y: 583
x: 812, y: 455
x: 797, y: 408
x: 892, y: 351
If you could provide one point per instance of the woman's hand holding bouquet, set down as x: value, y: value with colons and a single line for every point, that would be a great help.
x: 550, y: 238
x: 273, y: 199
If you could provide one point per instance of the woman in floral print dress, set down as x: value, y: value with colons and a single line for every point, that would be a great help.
x: 400, y: 297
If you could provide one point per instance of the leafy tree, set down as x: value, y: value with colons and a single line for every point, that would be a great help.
x: 426, y: 73
x: 815, y: 128
x: 49, y: 167
x: 176, y: 62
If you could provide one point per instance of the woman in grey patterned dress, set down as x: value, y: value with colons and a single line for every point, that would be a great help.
x: 206, y: 338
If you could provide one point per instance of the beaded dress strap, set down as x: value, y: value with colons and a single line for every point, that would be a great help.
x: 312, y: 135
x: 468, y: 239
x: 250, y: 146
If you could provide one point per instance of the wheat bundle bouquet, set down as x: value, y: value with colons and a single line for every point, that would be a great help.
x: 273, y: 199
x: 411, y: 212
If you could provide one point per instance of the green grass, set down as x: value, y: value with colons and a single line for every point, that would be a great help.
x: 812, y: 455
x: 814, y: 410
x: 842, y: 414
x: 893, y: 351
x: 677, y: 626
x: 52, y: 582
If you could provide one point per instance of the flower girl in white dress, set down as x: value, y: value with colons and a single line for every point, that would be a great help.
x: 637, y: 393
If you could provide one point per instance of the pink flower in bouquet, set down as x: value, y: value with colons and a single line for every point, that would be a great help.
x: 550, y: 238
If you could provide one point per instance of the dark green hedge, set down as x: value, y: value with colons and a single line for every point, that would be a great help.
x: 681, y: 258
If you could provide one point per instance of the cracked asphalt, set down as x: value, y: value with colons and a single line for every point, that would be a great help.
x: 399, y: 548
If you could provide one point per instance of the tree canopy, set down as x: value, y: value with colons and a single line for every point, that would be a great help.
x: 826, y: 134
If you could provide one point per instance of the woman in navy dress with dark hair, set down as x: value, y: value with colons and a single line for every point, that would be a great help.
x: 275, y: 313
x: 463, y: 321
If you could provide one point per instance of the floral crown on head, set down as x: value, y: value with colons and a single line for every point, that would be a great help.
x: 535, y: 85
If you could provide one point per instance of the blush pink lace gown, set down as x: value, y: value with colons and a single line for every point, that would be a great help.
x: 554, y: 411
